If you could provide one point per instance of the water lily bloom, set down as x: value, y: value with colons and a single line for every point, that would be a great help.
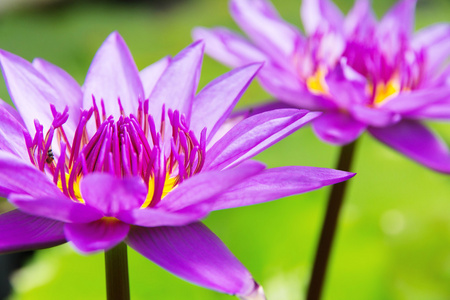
x: 362, y: 73
x: 139, y: 157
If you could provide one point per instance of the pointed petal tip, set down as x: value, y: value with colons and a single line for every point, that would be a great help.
x: 198, y: 45
x: 114, y: 38
x: 6, y: 57
x: 114, y: 35
x: 312, y: 114
x: 258, y: 65
x: 347, y: 176
x: 256, y: 294
x: 198, y: 33
x: 252, y: 68
x: 3, y: 53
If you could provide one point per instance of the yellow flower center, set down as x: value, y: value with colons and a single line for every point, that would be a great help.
x: 384, y: 91
x: 316, y: 83
x: 76, y: 187
x: 169, y: 185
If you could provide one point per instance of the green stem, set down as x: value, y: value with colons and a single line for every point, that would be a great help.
x: 116, y: 266
x: 329, y: 226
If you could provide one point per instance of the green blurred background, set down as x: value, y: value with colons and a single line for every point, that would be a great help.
x: 393, y: 240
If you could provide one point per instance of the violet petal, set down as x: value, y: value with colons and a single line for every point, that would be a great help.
x: 276, y: 183
x: 412, y: 103
x: 360, y: 20
x: 322, y: 15
x: 254, y: 134
x: 178, y: 83
x: 337, y: 128
x: 262, y: 23
x: 66, y: 88
x: 96, y: 236
x: 150, y: 217
x: 18, y: 176
x: 400, y: 18
x: 113, y: 75
x: 228, y: 47
x: 378, y: 117
x: 151, y: 74
x: 11, y: 135
x: 435, y: 41
x: 24, y: 82
x: 214, y: 103
x: 416, y: 141
x: 57, y: 207
x: 110, y: 194
x: 12, y: 111
x: 195, y: 254
x: 205, y: 185
x: 21, y: 232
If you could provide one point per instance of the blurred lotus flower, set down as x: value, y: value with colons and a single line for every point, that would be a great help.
x: 362, y: 73
x: 99, y: 165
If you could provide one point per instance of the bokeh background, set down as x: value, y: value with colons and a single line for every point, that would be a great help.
x: 393, y: 240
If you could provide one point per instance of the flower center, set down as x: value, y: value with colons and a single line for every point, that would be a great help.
x: 316, y: 83
x: 130, y: 146
x: 383, y: 91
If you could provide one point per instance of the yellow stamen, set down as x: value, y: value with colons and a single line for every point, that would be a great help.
x: 110, y: 220
x: 385, y: 91
x: 169, y: 184
x: 76, y: 186
x: 316, y: 83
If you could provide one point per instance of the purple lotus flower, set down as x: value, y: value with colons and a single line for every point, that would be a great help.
x: 363, y: 74
x: 138, y: 157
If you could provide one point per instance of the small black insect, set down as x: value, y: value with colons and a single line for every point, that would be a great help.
x: 50, y: 156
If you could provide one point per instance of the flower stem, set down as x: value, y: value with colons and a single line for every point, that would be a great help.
x: 335, y: 200
x: 116, y: 265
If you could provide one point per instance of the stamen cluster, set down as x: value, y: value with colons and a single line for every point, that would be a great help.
x: 131, y: 146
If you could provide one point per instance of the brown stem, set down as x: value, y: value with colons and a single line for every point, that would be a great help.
x: 116, y: 265
x: 335, y: 201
